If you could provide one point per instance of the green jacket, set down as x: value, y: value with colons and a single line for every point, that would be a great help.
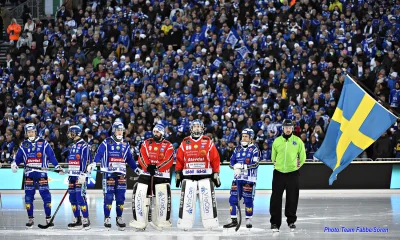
x: 288, y: 156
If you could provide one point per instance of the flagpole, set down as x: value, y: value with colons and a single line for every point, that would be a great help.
x: 372, y: 94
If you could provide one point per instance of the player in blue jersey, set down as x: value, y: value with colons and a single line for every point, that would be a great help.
x: 79, y: 158
x: 36, y: 152
x: 113, y: 154
x: 244, y: 161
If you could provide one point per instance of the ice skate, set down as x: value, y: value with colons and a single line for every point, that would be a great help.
x: 86, y: 223
x: 48, y: 221
x: 249, y: 223
x: 274, y: 228
x: 292, y: 227
x: 120, y: 224
x: 234, y: 223
x: 107, y: 223
x: 30, y: 222
x: 76, y: 224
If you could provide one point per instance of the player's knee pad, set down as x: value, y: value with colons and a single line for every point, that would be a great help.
x: 187, y: 206
x: 140, y: 206
x: 233, y: 200
x: 46, y: 196
x: 108, y: 198
x: 208, y: 204
x: 162, y: 213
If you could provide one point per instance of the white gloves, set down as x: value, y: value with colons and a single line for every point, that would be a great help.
x: 60, y: 170
x: 91, y: 167
x: 239, y: 168
x: 82, y: 178
x: 14, y: 167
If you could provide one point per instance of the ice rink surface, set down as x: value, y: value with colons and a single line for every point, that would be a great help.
x: 318, y: 210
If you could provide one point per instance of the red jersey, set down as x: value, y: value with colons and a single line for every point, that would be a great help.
x: 197, y: 157
x: 160, y: 154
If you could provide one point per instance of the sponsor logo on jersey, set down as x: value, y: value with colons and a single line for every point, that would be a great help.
x: 161, y: 156
x: 188, y: 147
x: 247, y: 160
x: 39, y: 154
x: 162, y: 149
x: 79, y: 145
x: 196, y: 146
x: 33, y: 160
x: 243, y: 154
x: 39, y: 143
x: 150, y: 147
x: 250, y: 149
x: 294, y: 143
x: 237, y: 154
x: 26, y: 145
x: 155, y: 148
x: 118, y: 147
x: 188, y: 142
x: 202, y: 153
x: 112, y: 159
x: 78, y: 156
x: 203, y: 146
x: 73, y: 162
x: 203, y: 141
x: 195, y: 159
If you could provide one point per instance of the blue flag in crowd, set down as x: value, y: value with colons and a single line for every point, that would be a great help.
x: 357, y: 123
x: 233, y: 37
x: 217, y: 62
x: 242, y: 51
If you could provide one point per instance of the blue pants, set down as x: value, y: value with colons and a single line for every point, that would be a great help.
x: 77, y: 197
x: 247, y: 191
x: 31, y: 180
x: 114, y: 186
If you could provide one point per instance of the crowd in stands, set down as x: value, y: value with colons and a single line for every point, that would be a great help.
x: 234, y: 64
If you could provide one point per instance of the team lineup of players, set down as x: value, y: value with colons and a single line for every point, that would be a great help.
x: 197, y: 172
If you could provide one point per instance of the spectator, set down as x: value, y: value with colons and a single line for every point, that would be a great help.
x: 14, y: 30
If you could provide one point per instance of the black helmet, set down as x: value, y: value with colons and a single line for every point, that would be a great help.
x: 287, y: 123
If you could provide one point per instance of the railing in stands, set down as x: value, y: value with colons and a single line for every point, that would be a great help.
x: 34, y: 6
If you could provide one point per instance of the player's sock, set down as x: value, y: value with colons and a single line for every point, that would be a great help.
x: 76, y: 223
x: 120, y: 223
x: 232, y: 224
x: 30, y: 223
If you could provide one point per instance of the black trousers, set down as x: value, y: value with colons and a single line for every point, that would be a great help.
x: 147, y: 180
x: 290, y: 183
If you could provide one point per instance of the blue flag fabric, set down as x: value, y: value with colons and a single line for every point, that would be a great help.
x: 358, y: 121
x: 233, y: 37
x: 242, y: 51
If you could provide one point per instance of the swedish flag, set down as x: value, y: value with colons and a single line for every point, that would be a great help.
x: 357, y: 122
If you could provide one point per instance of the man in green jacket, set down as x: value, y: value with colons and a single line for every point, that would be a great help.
x: 288, y: 155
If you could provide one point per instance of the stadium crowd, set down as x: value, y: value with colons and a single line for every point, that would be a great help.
x: 234, y: 64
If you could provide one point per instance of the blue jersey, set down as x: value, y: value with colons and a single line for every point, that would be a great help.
x: 114, y: 155
x: 249, y: 156
x: 36, y: 154
x: 78, y: 158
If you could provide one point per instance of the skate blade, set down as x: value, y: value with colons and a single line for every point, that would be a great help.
x: 29, y: 227
x: 86, y: 228
x: 74, y: 228
x: 275, y: 230
x: 292, y: 229
x: 121, y: 229
x: 108, y: 229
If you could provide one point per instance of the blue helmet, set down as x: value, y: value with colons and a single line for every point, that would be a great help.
x: 74, y: 129
x: 196, y: 133
x: 29, y: 127
x: 118, y: 125
x: 160, y: 128
x: 249, y: 132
